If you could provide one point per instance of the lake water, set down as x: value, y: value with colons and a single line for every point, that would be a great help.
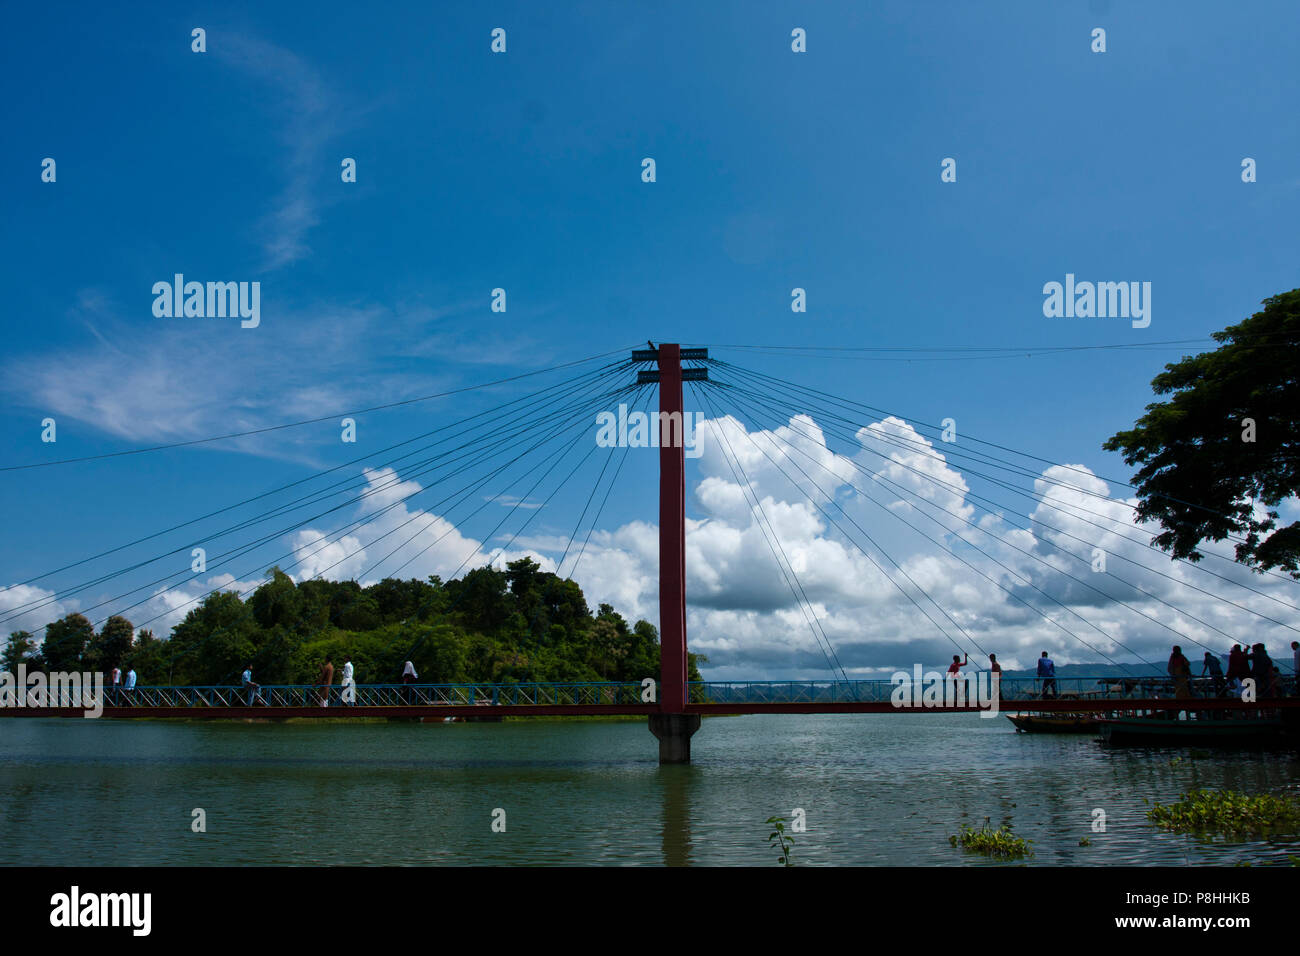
x: 884, y: 789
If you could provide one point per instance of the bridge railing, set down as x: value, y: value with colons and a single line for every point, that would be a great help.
x: 1015, y: 689
x: 574, y: 693
x: 1019, y: 690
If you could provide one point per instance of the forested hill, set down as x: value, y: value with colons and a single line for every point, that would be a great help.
x: 520, y: 624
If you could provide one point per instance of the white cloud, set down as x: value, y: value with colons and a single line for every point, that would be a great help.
x: 309, y: 116
x: 41, y: 607
x: 162, y: 380
x: 167, y: 607
x: 400, y: 538
x: 741, y: 609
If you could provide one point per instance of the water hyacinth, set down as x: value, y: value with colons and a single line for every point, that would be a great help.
x: 1228, y: 812
x: 997, y: 843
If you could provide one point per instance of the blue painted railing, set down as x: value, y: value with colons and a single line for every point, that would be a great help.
x: 380, y: 695
x: 623, y: 693
x: 882, y: 691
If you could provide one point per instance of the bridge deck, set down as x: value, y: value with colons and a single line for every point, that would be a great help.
x: 1132, y: 705
x: 493, y: 701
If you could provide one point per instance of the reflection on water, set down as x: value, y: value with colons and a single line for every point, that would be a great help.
x: 675, y: 830
x: 875, y: 789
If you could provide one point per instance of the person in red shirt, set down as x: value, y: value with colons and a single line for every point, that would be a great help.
x: 954, y: 673
x: 326, y: 681
x: 1180, y: 669
x: 996, y: 670
x: 1238, y: 666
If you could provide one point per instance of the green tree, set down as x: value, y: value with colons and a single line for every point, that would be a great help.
x: 214, y: 642
x: 65, y: 643
x: 17, y: 650
x: 276, y: 603
x: 110, y: 647
x: 149, y: 658
x: 642, y: 659
x: 362, y: 614
x: 608, y: 647
x: 481, y: 601
x: 518, y: 625
x: 399, y: 600
x: 1225, y: 442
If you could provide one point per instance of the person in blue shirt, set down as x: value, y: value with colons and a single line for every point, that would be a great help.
x: 1212, y: 665
x: 129, y: 686
x: 254, y: 689
x: 1047, y: 674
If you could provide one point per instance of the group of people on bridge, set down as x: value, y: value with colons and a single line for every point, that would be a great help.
x: 1243, y: 665
x: 325, y: 685
x: 118, y: 691
x: 1253, y: 664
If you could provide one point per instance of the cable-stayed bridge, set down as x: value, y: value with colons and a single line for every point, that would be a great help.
x: 530, y: 440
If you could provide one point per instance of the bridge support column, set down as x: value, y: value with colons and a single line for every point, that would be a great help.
x: 672, y: 535
x: 674, y: 732
x: 673, y: 727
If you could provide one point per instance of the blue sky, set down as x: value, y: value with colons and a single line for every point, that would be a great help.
x: 522, y: 170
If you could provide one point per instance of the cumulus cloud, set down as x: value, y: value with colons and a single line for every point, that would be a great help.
x: 398, y: 537
x: 167, y: 607
x: 1034, y: 589
x: 870, y: 559
x: 804, y: 560
x: 39, y: 607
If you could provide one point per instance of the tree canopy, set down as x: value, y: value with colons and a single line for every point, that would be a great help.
x: 513, y: 626
x: 1218, y: 457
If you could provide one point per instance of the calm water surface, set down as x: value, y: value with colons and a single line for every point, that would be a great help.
x: 876, y: 790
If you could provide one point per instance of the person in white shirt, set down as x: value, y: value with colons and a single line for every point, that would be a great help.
x: 349, y: 686
x: 409, y: 677
x: 115, y: 683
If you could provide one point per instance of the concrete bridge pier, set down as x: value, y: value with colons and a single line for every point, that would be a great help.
x: 674, y: 732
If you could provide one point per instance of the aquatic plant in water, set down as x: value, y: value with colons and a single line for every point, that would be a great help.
x: 1228, y: 812
x: 784, y: 840
x: 999, y: 843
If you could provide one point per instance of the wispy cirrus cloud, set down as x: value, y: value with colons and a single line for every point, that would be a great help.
x: 172, y: 380
x: 309, y: 115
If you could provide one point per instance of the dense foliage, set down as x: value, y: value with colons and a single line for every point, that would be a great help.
x: 1220, y: 456
x: 517, y: 625
x: 1228, y: 812
x: 1000, y: 843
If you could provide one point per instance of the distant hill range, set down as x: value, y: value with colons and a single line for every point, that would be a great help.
x: 1101, y: 670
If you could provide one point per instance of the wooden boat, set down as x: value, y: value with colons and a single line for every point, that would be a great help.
x: 1243, y: 732
x: 1055, y: 723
